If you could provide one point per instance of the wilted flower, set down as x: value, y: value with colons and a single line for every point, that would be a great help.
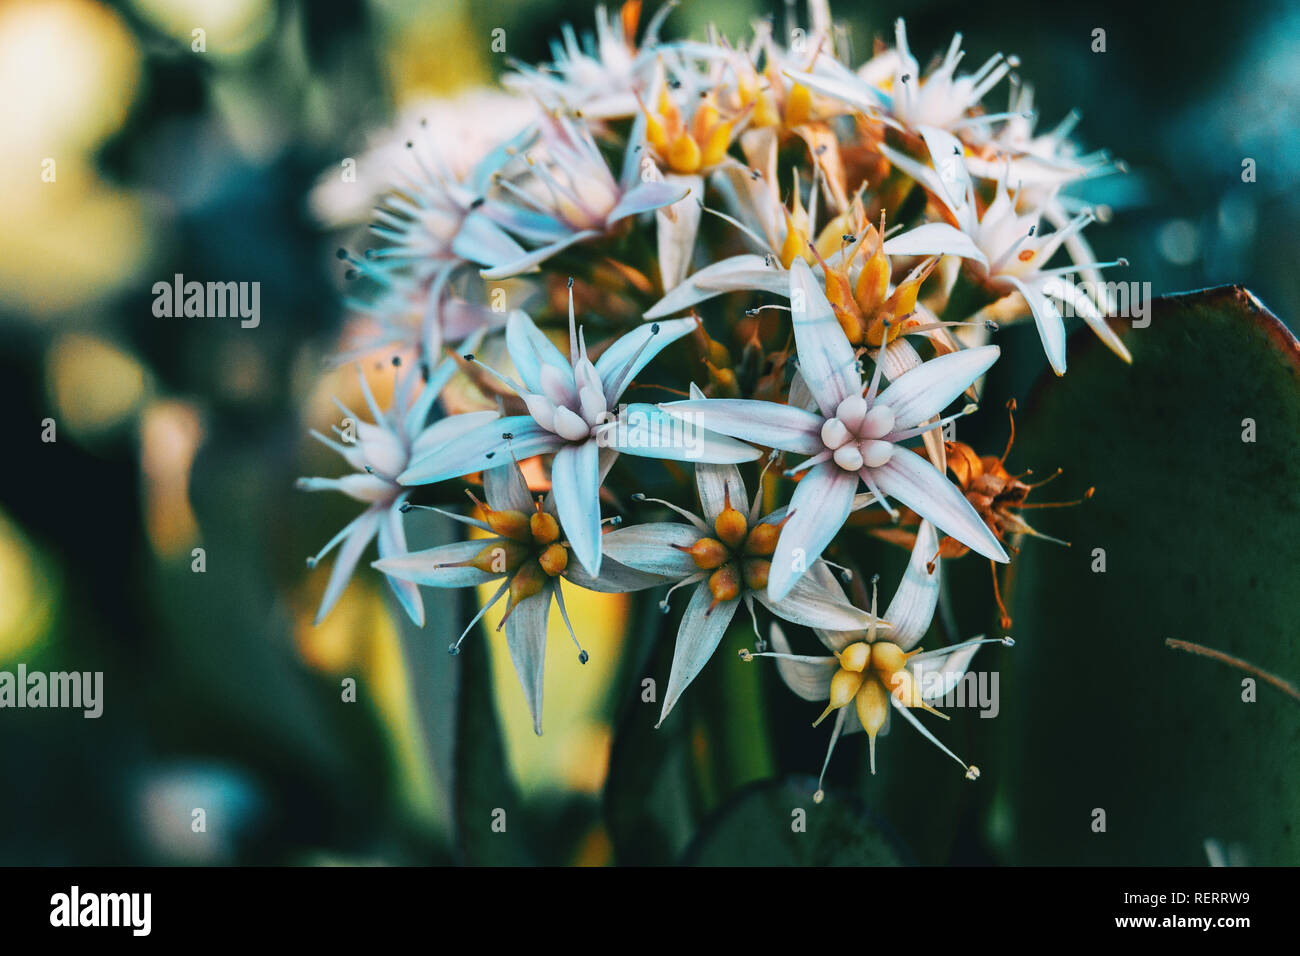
x: 726, y: 554
x: 852, y: 437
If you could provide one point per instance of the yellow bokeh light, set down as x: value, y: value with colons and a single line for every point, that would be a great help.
x: 94, y: 385
x: 68, y: 73
x: 27, y: 596
x: 230, y: 28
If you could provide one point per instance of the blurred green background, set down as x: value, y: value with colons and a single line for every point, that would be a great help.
x: 175, y: 434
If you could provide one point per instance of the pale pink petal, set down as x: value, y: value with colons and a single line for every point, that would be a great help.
x: 817, y: 511
x: 913, y: 481
x: 928, y: 389
x: 826, y: 358
x: 765, y: 423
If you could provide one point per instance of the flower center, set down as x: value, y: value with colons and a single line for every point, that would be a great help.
x: 739, y: 557
x: 528, y: 549
x: 868, y: 675
x: 854, y: 435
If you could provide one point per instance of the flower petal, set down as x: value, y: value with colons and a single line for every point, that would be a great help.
x: 482, y: 449
x: 676, y: 235
x: 362, y: 529
x: 526, y: 639
x: 714, y: 483
x: 826, y: 358
x: 615, y: 578
x: 534, y: 258
x: 1081, y: 304
x: 644, y: 197
x: 530, y: 349
x: 392, y: 542
x: 654, y: 548
x: 1051, y: 327
x: 938, y: 672
x: 818, y: 509
x: 935, y: 239
x: 506, y: 489
x: 441, y: 567
x: 698, y: 637
x: 813, y: 604
x: 765, y: 423
x: 651, y: 432
x: 739, y: 273
x: 931, y: 387
x: 809, y: 677
x: 630, y: 353
x: 916, y: 483
x: 575, y: 484
x: 482, y: 242
x: 912, y: 607
x: 840, y: 83
x: 449, y: 429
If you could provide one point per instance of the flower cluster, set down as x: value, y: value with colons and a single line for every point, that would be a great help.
x: 820, y: 328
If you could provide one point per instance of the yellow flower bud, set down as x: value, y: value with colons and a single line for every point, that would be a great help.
x: 856, y: 656
x: 544, y: 527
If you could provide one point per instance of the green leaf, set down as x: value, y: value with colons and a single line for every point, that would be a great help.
x: 1201, y: 537
x: 776, y: 823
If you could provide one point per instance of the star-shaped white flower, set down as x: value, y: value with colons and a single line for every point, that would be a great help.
x: 568, y: 195
x: 1017, y: 252
x: 726, y: 556
x: 876, y: 673
x: 573, y: 411
x: 852, y: 437
x: 379, y: 452
x: 527, y: 552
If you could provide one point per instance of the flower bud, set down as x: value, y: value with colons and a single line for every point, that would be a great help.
x: 731, y: 526
x: 724, y: 583
x: 762, y: 540
x: 856, y: 656
x: 554, y: 559
x: 707, y: 553
x: 544, y: 527
x: 509, y: 524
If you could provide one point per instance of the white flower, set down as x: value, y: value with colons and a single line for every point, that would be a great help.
x: 462, y: 142
x: 435, y: 228
x: 1016, y: 251
x: 572, y: 405
x: 599, y: 75
x: 379, y: 453
x: 943, y: 98
x: 876, y: 673
x: 726, y: 555
x: 569, y: 196
x: 852, y: 436
x: 528, y: 554
x: 782, y: 235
